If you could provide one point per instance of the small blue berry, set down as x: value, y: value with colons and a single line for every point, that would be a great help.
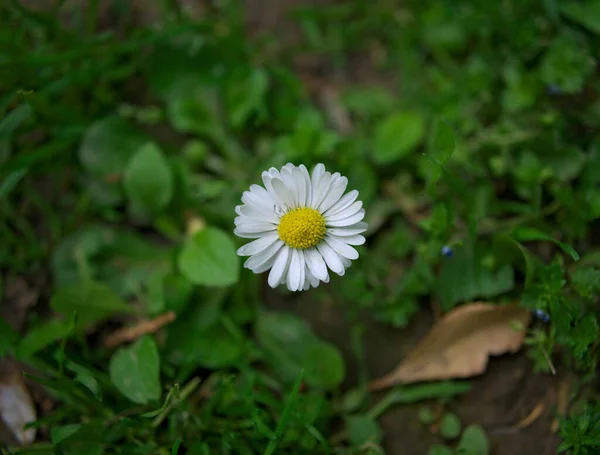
x: 553, y: 90
x: 447, y: 251
x: 542, y: 315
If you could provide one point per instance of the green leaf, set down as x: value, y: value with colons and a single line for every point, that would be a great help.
x: 323, y: 365
x: 567, y: 63
x: 209, y: 258
x: 426, y: 416
x: 420, y: 392
x: 148, y: 180
x: 438, y: 449
x: 473, y: 441
x: 90, y: 300
x: 526, y: 234
x: 76, y: 439
x: 465, y: 277
x: 442, y: 145
x: 13, y: 120
x: 245, y: 94
x: 363, y: 430
x: 11, y: 181
x: 8, y: 337
x: 85, y: 377
x: 450, y: 426
x: 582, y: 335
x: 284, y: 338
x: 134, y: 370
x: 214, y: 347
x: 37, y: 338
x: 108, y: 145
x: 586, y: 281
x: 397, y: 136
x: 586, y: 13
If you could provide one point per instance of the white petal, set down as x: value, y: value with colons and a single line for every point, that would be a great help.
x: 331, y: 258
x: 250, y: 225
x: 347, y: 231
x: 295, y: 272
x: 300, y: 185
x: 320, y: 189
x: 251, y: 212
x: 252, y: 199
x: 348, y: 211
x: 344, y: 202
x: 307, y: 184
x: 249, y: 235
x: 262, y: 194
x: 267, y: 177
x: 341, y: 248
x: 315, y: 180
x: 263, y: 256
x: 280, y: 267
x: 290, y: 183
x: 334, y: 194
x: 283, y: 193
x: 316, y: 264
x: 348, y: 221
x: 310, y: 278
x: 258, y: 245
x: 350, y: 240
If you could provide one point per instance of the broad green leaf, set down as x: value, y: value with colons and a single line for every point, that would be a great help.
x: 323, y: 365
x: 284, y: 338
x: 465, y: 277
x: 134, y: 370
x: 121, y: 259
x: 442, y: 145
x: 209, y: 258
x: 212, y: 347
x: 148, y: 180
x: 397, y: 136
x: 38, y: 337
x: 450, y: 426
x: 473, y: 441
x: 90, y: 300
x: 586, y: 13
x: 108, y: 145
x: 245, y: 94
x: 363, y: 430
x: 199, y: 319
x: 438, y: 449
x: 368, y: 101
x: 527, y: 234
x: 567, y: 63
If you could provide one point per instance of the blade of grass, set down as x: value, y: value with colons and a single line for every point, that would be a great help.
x: 285, y: 416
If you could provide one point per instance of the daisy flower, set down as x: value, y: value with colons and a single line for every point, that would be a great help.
x: 303, y: 225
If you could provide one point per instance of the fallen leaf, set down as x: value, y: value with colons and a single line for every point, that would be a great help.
x: 458, y: 345
x: 16, y: 405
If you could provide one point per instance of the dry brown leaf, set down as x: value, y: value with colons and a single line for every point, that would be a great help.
x: 458, y: 345
x: 16, y: 405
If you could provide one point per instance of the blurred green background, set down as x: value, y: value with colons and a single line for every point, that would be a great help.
x: 129, y: 131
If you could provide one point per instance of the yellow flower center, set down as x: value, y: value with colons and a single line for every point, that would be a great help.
x: 302, y: 228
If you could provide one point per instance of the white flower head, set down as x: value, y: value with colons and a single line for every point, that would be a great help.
x: 303, y: 225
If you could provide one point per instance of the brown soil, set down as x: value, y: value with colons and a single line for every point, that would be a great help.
x: 501, y: 398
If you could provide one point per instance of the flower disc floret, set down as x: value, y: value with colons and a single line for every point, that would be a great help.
x: 302, y: 228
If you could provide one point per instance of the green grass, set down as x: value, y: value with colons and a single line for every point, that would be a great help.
x: 124, y: 150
